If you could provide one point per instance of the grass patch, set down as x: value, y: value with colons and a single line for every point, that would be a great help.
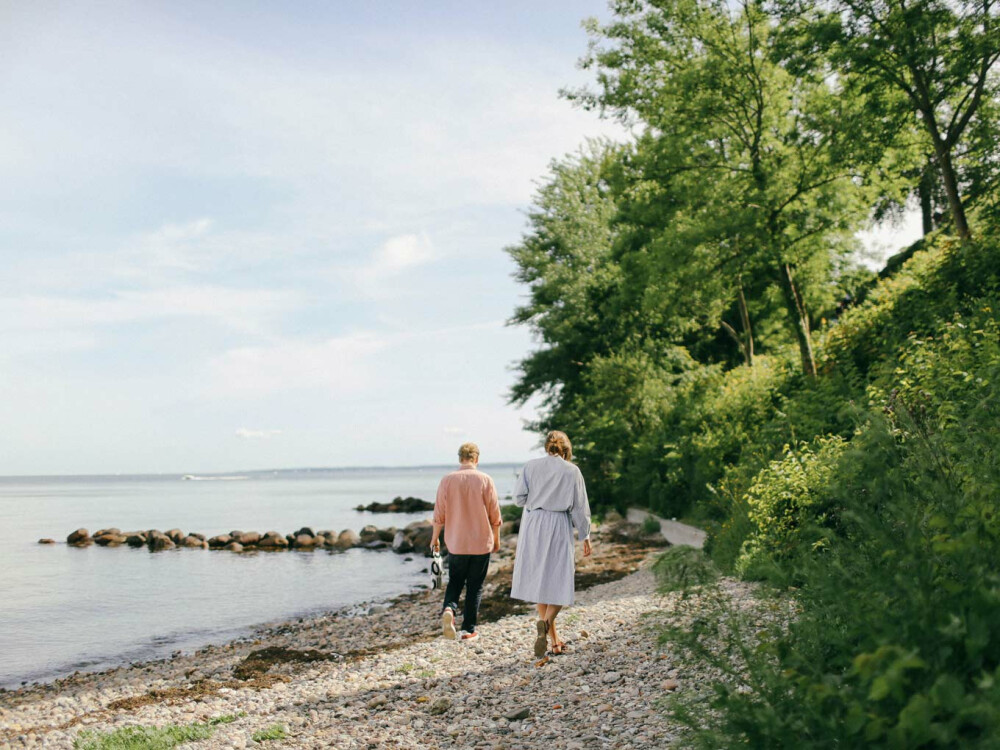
x: 405, y: 668
x: 150, y: 738
x: 273, y: 732
x: 681, y: 568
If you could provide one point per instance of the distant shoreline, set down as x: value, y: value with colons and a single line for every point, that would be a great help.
x: 253, y: 473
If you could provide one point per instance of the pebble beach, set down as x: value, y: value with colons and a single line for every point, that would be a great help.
x: 382, y: 676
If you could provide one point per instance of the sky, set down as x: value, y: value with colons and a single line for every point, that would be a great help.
x: 248, y: 235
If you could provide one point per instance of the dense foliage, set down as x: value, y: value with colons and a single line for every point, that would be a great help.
x: 714, y: 347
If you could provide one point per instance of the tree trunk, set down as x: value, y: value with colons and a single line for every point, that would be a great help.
x: 799, y: 319
x: 950, y: 181
x: 925, y: 189
x: 747, y: 331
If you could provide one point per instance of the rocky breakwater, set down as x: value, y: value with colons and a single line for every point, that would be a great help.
x: 414, y: 538
x: 398, y: 505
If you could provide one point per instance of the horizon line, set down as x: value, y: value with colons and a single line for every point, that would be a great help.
x: 182, y: 474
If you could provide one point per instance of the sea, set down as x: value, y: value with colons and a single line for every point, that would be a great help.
x: 65, y: 609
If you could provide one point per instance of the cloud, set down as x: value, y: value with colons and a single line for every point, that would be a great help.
x: 246, y: 434
x: 247, y: 310
x: 339, y: 365
x: 400, y: 253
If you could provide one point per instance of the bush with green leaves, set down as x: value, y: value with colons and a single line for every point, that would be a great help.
x: 789, y: 499
x: 896, y: 644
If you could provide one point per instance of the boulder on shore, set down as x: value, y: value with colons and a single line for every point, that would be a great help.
x: 387, y: 535
x: 398, y: 505
x: 369, y: 534
x: 79, y: 537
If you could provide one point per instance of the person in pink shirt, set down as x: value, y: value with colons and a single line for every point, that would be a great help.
x: 469, y: 511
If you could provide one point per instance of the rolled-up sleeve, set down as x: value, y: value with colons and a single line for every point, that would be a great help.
x: 580, y: 511
x: 521, y: 488
x: 492, y: 503
x: 439, y: 504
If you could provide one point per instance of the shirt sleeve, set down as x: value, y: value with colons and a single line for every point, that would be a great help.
x: 521, y: 488
x: 492, y: 504
x: 439, y: 503
x: 580, y: 511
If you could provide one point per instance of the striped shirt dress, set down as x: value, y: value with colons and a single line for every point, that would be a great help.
x: 554, y: 497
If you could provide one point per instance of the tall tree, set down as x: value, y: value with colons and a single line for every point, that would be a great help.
x: 566, y: 260
x: 940, y: 54
x: 756, y: 148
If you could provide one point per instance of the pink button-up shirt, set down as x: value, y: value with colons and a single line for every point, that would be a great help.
x: 468, y: 508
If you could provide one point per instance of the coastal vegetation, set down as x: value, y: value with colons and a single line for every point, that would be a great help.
x: 714, y: 343
x: 151, y: 738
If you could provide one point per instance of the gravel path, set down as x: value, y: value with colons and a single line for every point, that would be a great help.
x: 400, y: 684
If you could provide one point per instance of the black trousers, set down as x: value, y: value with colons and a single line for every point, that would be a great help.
x: 469, y: 572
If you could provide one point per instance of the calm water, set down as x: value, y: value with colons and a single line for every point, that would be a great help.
x: 65, y: 608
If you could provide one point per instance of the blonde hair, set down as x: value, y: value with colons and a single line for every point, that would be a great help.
x: 468, y: 452
x: 557, y: 444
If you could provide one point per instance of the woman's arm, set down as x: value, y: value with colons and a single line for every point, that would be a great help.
x: 580, y: 512
x: 521, y: 488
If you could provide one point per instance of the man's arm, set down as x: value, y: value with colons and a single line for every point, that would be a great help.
x: 439, y: 517
x: 435, y: 542
x: 493, y: 513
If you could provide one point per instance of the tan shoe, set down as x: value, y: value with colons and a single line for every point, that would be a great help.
x: 448, y: 624
x: 542, y: 641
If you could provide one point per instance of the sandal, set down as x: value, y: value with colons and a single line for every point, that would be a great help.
x: 559, y: 649
x: 542, y: 641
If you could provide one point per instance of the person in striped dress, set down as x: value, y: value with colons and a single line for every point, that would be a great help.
x: 554, y: 497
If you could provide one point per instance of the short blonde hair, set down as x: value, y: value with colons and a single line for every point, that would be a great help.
x: 468, y: 452
x: 557, y: 444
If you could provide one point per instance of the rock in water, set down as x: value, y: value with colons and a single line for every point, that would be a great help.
x: 159, y: 541
x: 79, y: 537
x: 176, y: 535
x: 419, y: 533
x: 46, y: 541
x: 305, y: 540
x: 220, y: 541
x: 272, y: 540
x: 401, y: 544
x: 248, y: 538
x: 234, y: 547
x: 347, y: 539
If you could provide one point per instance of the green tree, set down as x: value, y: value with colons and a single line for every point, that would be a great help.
x: 938, y: 54
x: 566, y: 260
x: 757, y: 150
